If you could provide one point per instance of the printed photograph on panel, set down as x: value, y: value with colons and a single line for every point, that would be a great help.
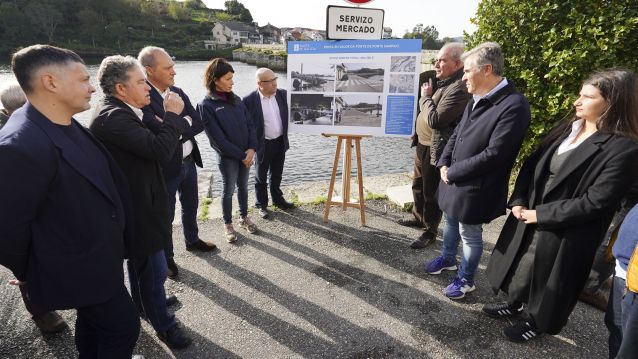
x: 401, y: 83
x: 317, y: 77
x: 359, y: 77
x: 403, y: 64
x: 311, y: 109
x: 358, y: 110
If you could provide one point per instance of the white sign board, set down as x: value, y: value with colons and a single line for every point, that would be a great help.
x: 353, y: 87
x: 354, y: 23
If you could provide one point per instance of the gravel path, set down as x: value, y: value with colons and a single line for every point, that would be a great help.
x: 302, y: 288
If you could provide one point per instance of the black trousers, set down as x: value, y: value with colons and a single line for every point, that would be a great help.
x: 424, y: 185
x: 273, y: 163
x: 108, y: 330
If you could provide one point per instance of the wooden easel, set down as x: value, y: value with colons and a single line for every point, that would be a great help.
x: 347, y: 167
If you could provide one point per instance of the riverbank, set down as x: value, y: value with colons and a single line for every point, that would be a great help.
x: 301, y: 288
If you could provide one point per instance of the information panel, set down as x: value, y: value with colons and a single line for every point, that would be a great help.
x: 353, y: 87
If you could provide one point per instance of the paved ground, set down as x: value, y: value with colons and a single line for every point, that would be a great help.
x: 302, y: 288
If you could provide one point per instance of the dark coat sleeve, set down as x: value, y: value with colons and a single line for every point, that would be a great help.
x: 197, y: 125
x: 601, y: 197
x: 19, y: 208
x: 252, y: 130
x: 122, y: 130
x: 446, y: 156
x: 505, y: 140
x: 524, y: 180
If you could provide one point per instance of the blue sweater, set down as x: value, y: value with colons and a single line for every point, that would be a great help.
x: 627, y: 238
x: 230, y: 128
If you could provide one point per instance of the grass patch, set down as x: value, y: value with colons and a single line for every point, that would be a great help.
x: 319, y: 200
x: 374, y: 196
x: 294, y: 198
x: 203, y: 209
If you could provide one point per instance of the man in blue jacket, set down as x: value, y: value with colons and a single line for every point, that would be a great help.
x: 180, y: 172
x: 66, y: 208
x: 476, y: 163
x: 269, y: 109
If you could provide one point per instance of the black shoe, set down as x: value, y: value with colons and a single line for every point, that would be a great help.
x: 50, y: 322
x: 264, y: 213
x: 283, y: 204
x: 423, y: 241
x: 171, y: 300
x: 412, y: 222
x: 503, y: 310
x: 173, y: 271
x: 175, y: 338
x: 521, y: 332
x: 200, y: 246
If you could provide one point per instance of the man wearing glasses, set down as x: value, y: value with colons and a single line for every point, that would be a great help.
x: 269, y: 109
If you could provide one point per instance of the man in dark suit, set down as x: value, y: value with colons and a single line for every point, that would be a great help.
x: 139, y: 152
x: 65, y: 205
x: 180, y: 172
x: 476, y: 163
x: 269, y: 109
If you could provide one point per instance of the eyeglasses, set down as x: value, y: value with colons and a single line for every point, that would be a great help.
x: 271, y: 80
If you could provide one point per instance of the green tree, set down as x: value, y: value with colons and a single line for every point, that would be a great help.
x: 177, y: 11
x: 44, y: 17
x: 238, y: 11
x: 551, y: 46
x: 92, y: 24
x: 429, y: 36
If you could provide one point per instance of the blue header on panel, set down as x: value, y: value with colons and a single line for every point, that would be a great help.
x: 354, y: 46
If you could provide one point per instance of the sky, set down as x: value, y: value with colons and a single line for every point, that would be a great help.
x: 450, y: 17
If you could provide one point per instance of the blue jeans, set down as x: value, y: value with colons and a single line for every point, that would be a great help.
x: 472, y: 236
x: 147, y: 277
x: 613, y: 316
x: 233, y: 173
x: 629, y: 326
x: 186, y: 184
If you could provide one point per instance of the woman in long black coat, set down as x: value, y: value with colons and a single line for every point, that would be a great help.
x: 563, y: 201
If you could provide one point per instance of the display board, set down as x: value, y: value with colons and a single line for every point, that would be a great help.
x: 356, y: 87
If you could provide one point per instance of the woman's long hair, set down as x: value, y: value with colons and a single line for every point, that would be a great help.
x: 619, y: 88
x: 215, y: 69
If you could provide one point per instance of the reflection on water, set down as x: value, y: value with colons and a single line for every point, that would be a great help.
x: 310, y: 156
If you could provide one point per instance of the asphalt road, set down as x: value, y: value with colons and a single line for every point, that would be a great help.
x: 302, y: 288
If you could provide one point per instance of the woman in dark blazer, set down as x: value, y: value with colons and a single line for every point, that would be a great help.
x: 563, y: 201
x: 231, y: 132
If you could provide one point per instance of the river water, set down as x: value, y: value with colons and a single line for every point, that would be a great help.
x: 309, y: 158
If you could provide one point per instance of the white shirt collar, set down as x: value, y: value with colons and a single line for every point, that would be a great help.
x: 163, y: 94
x: 261, y: 95
x: 499, y: 86
x: 138, y: 111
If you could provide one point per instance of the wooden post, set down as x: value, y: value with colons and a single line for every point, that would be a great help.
x: 346, y: 176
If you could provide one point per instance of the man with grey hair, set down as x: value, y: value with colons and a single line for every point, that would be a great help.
x: 12, y: 98
x: 140, y: 153
x: 476, y: 163
x: 441, y: 110
x: 180, y: 172
x: 268, y: 106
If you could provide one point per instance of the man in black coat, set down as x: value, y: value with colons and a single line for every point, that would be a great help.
x: 180, y: 172
x: 441, y: 110
x: 65, y: 208
x: 476, y: 163
x: 139, y: 152
x: 269, y: 109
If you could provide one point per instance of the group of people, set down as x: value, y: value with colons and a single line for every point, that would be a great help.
x: 471, y: 125
x: 77, y: 201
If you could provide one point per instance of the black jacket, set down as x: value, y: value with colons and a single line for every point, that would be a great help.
x: 139, y: 152
x: 253, y: 103
x: 573, y: 215
x: 156, y: 108
x: 64, y: 230
x: 480, y: 155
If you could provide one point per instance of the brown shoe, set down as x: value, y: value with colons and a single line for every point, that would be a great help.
x: 597, y: 299
x: 425, y: 239
x: 50, y: 322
